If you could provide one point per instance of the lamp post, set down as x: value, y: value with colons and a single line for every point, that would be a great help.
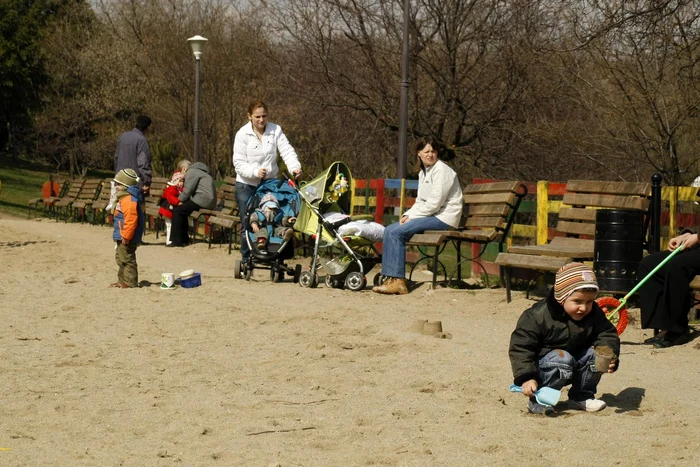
x: 403, y: 102
x: 197, y: 44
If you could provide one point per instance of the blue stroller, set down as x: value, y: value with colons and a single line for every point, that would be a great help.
x: 276, y: 249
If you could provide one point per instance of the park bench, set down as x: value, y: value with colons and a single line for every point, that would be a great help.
x: 154, y: 220
x: 224, y: 217
x: 50, y: 191
x: 88, y: 195
x: 99, y: 206
x: 487, y: 216
x: 63, y: 204
x: 575, y: 226
x: 225, y: 204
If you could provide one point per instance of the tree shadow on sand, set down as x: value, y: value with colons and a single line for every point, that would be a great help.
x: 628, y: 400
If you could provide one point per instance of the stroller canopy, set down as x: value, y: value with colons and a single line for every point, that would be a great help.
x: 326, y: 189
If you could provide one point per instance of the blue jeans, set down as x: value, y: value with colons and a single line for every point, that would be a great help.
x: 243, y: 193
x: 394, y: 243
x: 559, y: 368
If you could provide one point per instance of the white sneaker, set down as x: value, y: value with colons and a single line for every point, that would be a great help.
x: 589, y: 405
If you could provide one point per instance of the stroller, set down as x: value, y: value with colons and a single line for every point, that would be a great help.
x: 276, y: 249
x: 352, y: 257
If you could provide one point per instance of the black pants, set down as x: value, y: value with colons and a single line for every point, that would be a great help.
x: 665, y: 297
x: 178, y: 231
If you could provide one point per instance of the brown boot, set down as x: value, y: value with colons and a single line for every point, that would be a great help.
x: 393, y: 286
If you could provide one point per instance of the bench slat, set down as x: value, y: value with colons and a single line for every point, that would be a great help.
x: 606, y: 201
x: 489, y: 198
x: 578, y: 214
x: 576, y: 228
x: 541, y: 263
x: 484, y: 222
x: 490, y: 187
x: 619, y: 188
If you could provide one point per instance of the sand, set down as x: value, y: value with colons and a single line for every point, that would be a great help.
x: 261, y: 373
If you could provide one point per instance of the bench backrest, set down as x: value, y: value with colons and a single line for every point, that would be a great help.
x: 75, y: 189
x: 155, y: 193
x: 584, y: 197
x: 91, y: 190
x: 491, y: 206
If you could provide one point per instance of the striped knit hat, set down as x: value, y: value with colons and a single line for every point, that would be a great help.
x: 572, y: 277
x: 127, y: 177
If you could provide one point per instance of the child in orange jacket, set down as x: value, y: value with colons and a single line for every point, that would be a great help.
x: 129, y: 222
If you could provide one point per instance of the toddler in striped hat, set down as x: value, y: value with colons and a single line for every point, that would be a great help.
x: 553, y: 344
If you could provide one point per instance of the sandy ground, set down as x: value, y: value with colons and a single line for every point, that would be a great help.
x: 258, y: 373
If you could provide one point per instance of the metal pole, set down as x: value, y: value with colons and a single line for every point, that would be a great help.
x: 403, y: 102
x: 655, y: 228
x: 196, y: 112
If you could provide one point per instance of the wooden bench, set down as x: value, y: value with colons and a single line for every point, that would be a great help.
x: 576, y: 224
x: 88, y: 195
x: 488, y: 214
x: 225, y: 217
x: 50, y: 190
x: 99, y: 206
x: 63, y: 204
x: 151, y: 206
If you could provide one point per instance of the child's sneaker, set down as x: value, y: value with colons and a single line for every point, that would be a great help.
x: 539, y: 409
x: 589, y: 405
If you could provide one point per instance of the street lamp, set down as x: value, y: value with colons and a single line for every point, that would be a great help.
x: 197, y: 44
x: 403, y: 102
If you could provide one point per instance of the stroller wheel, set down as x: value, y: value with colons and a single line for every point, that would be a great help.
x: 297, y: 273
x: 247, y: 272
x: 276, y: 275
x: 308, y: 279
x: 237, y: 269
x: 333, y: 283
x: 355, y: 281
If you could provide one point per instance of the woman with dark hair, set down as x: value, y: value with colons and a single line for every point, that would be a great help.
x: 438, y: 206
x: 255, y: 153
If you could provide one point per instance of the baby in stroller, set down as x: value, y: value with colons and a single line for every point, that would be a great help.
x: 270, y: 213
x: 268, y: 220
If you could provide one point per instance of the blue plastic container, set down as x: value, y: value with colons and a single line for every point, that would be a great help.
x: 194, y: 281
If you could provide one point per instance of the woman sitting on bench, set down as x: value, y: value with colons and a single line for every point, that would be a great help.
x: 665, y: 298
x: 438, y: 206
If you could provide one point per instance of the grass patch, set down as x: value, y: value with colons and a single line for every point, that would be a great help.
x: 22, y: 180
x: 448, y: 257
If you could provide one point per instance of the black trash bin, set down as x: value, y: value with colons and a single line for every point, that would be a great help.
x: 618, y: 248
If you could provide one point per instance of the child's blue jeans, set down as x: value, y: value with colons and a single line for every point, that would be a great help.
x: 559, y: 368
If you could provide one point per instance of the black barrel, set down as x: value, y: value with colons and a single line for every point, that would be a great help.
x: 619, y: 238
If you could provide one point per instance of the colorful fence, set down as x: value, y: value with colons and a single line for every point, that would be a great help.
x: 536, y: 219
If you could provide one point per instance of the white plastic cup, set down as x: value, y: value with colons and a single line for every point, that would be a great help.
x: 167, y: 279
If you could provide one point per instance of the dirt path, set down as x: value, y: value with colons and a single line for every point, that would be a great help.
x: 256, y: 373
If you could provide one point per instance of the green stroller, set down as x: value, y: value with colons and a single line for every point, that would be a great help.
x: 352, y: 256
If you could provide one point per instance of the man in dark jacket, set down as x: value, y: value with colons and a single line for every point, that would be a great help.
x: 133, y: 152
x: 198, y: 193
x: 552, y: 344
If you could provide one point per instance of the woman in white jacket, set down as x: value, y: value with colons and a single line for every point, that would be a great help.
x: 255, y: 152
x: 438, y: 206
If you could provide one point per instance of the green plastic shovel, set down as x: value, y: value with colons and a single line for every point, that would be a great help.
x: 623, y: 300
